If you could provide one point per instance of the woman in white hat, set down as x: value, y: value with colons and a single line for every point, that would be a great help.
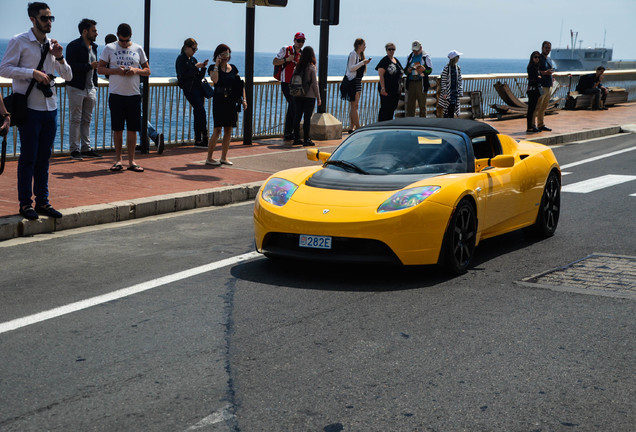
x: 451, y: 86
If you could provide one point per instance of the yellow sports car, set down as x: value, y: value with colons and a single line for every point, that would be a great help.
x: 412, y: 191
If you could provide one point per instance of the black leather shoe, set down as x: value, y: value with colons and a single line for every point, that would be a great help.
x: 48, y: 211
x: 545, y: 128
x: 28, y: 213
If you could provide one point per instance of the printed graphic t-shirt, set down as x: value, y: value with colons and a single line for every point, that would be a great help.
x: 116, y: 56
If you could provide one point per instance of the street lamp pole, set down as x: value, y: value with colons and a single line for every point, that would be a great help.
x: 250, y: 18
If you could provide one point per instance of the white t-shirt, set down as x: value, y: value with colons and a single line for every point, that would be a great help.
x: 133, y: 56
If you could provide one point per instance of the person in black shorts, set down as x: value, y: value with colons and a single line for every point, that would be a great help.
x: 124, y: 62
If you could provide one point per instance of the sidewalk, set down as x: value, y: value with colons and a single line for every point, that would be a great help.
x: 87, y: 193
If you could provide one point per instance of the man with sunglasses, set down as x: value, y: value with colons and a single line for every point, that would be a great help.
x: 37, y: 133
x: 286, y: 59
x: 124, y: 62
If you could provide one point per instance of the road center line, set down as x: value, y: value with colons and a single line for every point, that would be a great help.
x: 592, y: 159
x: 124, y: 292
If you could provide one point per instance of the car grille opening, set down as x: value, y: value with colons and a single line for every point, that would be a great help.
x: 342, y: 249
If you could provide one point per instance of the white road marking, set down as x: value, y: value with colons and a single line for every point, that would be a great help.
x: 592, y: 159
x: 597, y: 183
x: 212, y: 419
x: 125, y: 292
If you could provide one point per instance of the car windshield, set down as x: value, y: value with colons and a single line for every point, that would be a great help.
x: 401, y: 151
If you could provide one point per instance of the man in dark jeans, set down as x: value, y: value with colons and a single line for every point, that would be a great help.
x: 287, y: 58
x: 37, y: 133
x: 590, y: 84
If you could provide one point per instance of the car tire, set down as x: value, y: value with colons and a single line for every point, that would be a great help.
x: 460, y: 238
x: 549, y: 209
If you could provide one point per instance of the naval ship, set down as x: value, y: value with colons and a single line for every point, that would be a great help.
x: 586, y: 59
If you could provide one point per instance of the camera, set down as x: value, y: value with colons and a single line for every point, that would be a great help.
x: 46, y: 88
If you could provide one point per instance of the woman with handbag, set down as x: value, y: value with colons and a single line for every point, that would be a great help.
x: 190, y: 74
x: 356, y: 67
x: 229, y: 95
x: 534, y: 90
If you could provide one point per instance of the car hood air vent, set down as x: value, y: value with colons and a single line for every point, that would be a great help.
x: 328, y: 178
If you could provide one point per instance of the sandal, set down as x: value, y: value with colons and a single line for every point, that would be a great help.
x: 135, y: 168
x: 117, y: 167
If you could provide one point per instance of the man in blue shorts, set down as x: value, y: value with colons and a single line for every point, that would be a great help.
x: 124, y: 62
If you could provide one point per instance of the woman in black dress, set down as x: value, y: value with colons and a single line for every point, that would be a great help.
x: 229, y: 92
x: 534, y: 90
x: 190, y: 73
x: 391, y: 72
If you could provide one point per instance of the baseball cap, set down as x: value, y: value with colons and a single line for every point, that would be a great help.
x: 299, y: 35
x: 416, y: 45
x: 453, y: 54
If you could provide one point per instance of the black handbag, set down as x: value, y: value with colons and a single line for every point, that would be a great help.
x: 16, y: 103
x: 344, y: 88
x: 208, y: 91
x: 3, y: 158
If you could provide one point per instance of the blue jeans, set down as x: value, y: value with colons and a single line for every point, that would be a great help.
x: 37, y: 134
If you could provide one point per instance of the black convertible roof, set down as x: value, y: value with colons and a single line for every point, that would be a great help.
x: 471, y: 128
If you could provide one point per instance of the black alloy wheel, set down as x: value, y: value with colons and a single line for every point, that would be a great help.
x: 550, y: 208
x: 459, y: 245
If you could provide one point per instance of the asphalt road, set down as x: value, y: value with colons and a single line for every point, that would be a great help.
x: 196, y: 339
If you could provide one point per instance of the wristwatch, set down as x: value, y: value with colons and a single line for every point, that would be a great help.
x: 59, y: 58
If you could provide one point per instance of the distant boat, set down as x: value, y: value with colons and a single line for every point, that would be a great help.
x: 586, y: 59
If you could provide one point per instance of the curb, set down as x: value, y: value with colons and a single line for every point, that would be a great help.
x: 584, y: 135
x: 77, y: 217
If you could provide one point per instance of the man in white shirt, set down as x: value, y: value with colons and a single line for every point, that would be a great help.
x: 124, y: 62
x: 38, y: 131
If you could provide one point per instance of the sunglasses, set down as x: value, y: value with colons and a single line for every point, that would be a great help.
x: 534, y: 57
x: 390, y: 49
x: 300, y: 40
x: 124, y: 40
x: 45, y: 18
x: 194, y: 49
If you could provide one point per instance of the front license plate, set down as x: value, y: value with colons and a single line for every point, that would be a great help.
x: 315, y: 242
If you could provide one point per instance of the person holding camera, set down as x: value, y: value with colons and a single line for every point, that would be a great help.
x: 24, y: 54
x: 124, y: 62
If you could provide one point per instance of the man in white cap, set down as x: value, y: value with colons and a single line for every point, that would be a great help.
x: 418, y: 67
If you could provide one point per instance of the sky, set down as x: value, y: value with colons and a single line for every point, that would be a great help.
x: 496, y: 29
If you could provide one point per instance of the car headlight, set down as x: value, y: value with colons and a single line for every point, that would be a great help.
x: 407, y: 198
x: 278, y: 191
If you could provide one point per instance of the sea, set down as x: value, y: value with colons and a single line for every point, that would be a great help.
x: 162, y: 62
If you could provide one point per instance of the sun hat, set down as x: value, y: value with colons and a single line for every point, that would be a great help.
x: 453, y: 54
x: 416, y: 45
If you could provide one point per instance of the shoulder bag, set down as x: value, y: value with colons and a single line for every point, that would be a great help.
x: 208, y: 91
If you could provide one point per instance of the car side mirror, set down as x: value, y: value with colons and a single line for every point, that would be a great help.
x: 316, y: 155
x: 501, y: 161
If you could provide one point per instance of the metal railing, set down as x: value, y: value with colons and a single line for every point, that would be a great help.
x: 170, y: 113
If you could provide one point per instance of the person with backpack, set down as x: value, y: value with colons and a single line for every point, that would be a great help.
x: 304, y: 88
x: 284, y: 64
